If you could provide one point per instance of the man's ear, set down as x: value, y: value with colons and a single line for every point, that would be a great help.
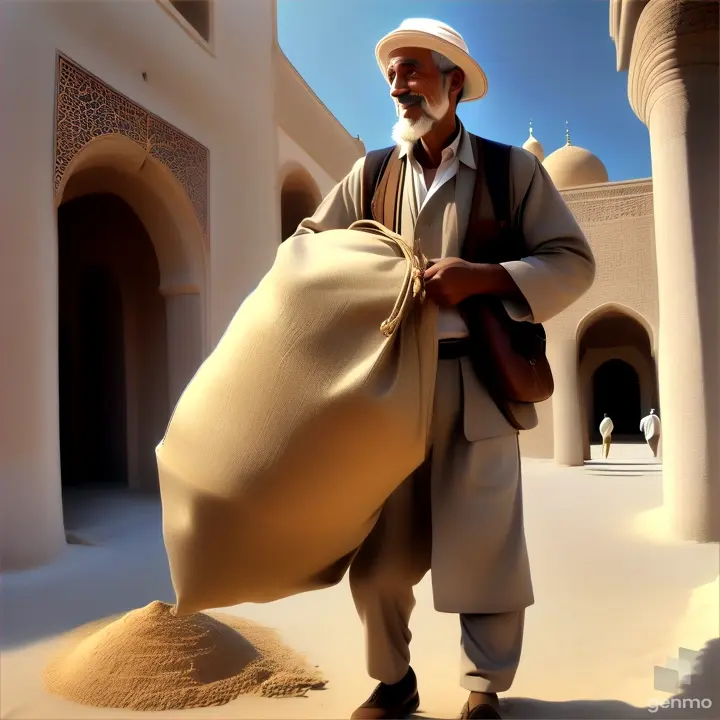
x: 457, y: 82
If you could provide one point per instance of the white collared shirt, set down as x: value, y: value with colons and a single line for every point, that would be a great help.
x: 450, y: 324
x: 460, y: 150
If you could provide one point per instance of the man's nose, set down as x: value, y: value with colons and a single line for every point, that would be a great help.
x: 399, y: 86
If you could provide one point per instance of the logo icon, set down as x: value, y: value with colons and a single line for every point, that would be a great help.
x: 671, y: 677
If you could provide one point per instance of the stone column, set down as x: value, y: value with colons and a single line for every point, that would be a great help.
x: 186, y: 349
x: 567, y: 407
x: 585, y: 414
x: 673, y: 88
x: 586, y: 405
x: 31, y: 517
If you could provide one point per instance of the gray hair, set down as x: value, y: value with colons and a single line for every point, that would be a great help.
x: 445, y: 66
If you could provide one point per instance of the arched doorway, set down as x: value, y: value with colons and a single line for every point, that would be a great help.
x: 299, y: 198
x: 618, y: 374
x: 616, y: 391
x: 113, y: 354
x: 131, y: 311
x: 175, y: 222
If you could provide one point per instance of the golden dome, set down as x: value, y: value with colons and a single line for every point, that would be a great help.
x: 533, y: 145
x: 572, y: 166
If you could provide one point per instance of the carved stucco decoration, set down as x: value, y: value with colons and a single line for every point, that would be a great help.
x: 609, y: 190
x: 88, y: 108
x: 601, y: 205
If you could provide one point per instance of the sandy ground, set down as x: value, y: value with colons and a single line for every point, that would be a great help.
x: 614, y: 598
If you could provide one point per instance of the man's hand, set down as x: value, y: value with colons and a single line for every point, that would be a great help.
x: 450, y: 280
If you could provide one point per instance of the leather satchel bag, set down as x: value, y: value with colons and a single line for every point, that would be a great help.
x: 508, y: 356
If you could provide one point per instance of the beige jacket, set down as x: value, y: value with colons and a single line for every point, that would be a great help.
x: 558, y: 269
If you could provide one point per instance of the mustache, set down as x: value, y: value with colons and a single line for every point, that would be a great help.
x: 409, y: 99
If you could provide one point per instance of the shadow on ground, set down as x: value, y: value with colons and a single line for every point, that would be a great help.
x: 77, y: 589
x: 619, y: 467
x: 699, y: 700
x: 617, y: 474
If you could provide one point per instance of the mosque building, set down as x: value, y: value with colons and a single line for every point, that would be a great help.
x: 615, y: 323
x: 154, y: 155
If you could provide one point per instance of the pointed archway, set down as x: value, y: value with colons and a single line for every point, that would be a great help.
x: 617, y: 372
x: 131, y: 312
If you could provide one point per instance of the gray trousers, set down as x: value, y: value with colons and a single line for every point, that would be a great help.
x: 393, y: 559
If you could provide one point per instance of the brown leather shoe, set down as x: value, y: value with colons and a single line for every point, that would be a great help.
x: 391, y: 702
x: 479, y: 712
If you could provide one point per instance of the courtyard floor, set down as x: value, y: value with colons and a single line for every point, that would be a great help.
x: 615, y: 597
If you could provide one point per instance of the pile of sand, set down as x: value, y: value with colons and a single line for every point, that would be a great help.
x: 151, y: 660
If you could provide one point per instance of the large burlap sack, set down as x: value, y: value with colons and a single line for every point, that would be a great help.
x: 314, y: 406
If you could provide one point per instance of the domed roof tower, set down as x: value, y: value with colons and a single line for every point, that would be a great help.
x: 572, y: 166
x: 533, y: 145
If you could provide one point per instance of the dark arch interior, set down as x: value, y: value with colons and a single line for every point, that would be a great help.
x: 616, y: 391
x: 298, y: 200
x: 112, y: 354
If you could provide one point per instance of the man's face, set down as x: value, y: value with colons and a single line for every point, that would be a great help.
x: 419, y: 90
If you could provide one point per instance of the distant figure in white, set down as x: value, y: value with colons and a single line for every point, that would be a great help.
x: 606, y: 428
x: 650, y: 427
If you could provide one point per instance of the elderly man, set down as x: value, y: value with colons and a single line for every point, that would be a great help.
x: 460, y: 514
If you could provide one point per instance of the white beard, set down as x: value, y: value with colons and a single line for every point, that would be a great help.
x: 410, y: 131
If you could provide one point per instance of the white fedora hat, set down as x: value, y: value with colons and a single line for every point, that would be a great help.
x: 435, y: 35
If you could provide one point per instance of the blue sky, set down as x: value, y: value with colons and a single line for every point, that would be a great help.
x: 549, y: 60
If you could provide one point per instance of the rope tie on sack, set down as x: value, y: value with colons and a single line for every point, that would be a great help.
x: 412, y: 287
x: 413, y: 282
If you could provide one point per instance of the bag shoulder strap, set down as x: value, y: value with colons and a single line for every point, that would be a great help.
x: 493, y: 161
x: 496, y: 166
x: 386, y: 206
x: 376, y: 162
x: 487, y: 238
